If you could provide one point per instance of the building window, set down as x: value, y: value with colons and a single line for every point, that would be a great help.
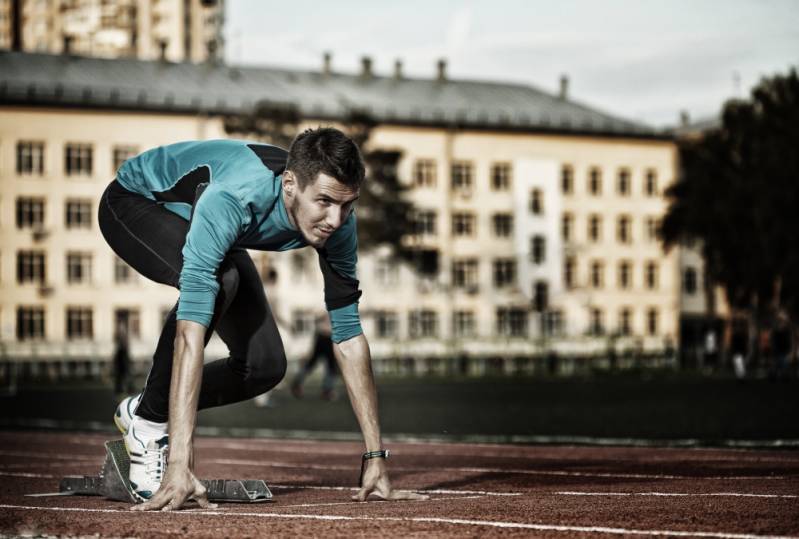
x: 78, y: 159
x: 387, y: 323
x: 538, y: 248
x: 302, y: 321
x: 540, y: 296
x: 120, y: 154
x: 652, y: 228
x: 689, y: 281
x: 595, y: 181
x: 30, y: 267
x: 504, y: 272
x: 78, y: 214
x: 623, y: 183
x: 623, y: 232
x: 386, y: 272
x: 597, y: 322
x: 424, y: 223
x: 123, y: 273
x: 652, y: 321
x: 30, y: 212
x: 625, y: 321
x: 30, y: 323
x: 464, y: 273
x: 79, y: 268
x: 511, y: 322
x: 130, y: 320
x: 463, y: 324
x: 536, y: 202
x: 597, y: 274
x: 462, y: 177
x: 569, y: 271
x: 567, y: 179
x: 651, y: 275
x: 625, y: 274
x: 500, y: 176
x: 503, y: 225
x: 651, y: 182
x: 424, y: 173
x: 553, y: 323
x: 566, y: 226
x: 30, y: 158
x: 79, y: 323
x: 595, y: 228
x: 463, y: 224
x: 422, y: 323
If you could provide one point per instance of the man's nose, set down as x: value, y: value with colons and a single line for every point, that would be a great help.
x: 335, y: 216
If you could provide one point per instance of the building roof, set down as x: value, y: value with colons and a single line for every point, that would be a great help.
x: 130, y: 84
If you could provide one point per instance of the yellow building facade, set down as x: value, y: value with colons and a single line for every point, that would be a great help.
x: 540, y: 239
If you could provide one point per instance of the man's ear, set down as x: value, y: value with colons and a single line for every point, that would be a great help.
x: 289, y: 181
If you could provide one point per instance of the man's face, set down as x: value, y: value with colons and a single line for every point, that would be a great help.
x: 320, y: 209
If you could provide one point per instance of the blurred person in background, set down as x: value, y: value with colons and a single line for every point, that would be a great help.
x: 322, y: 349
x: 781, y: 347
x: 122, y: 381
x: 739, y: 346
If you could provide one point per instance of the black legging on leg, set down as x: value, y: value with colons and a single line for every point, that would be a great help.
x: 150, y: 239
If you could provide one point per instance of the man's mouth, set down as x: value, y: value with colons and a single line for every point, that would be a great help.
x: 324, y: 231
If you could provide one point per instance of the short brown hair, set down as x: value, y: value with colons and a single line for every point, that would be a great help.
x: 325, y: 150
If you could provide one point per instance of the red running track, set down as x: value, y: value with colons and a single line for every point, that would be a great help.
x: 476, y: 490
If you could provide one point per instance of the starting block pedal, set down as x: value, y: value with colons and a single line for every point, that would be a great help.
x: 113, y: 482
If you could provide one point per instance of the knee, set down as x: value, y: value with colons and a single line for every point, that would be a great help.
x: 269, y: 369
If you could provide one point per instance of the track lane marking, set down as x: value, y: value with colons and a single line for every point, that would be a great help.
x: 567, y: 473
x: 421, y: 491
x: 358, y: 503
x: 519, y: 471
x: 435, y: 520
x: 677, y: 494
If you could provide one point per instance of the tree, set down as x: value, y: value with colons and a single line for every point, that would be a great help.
x: 738, y: 194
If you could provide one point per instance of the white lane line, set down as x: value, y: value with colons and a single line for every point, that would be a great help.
x: 453, y: 521
x: 422, y: 491
x: 50, y: 456
x: 26, y: 474
x: 677, y: 494
x: 359, y: 503
x: 272, y: 464
x: 333, y: 467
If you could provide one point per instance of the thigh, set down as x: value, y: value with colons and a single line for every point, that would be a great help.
x: 144, y: 234
x: 248, y: 326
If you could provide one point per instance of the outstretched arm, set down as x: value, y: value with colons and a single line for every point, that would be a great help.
x: 355, y: 363
x: 179, y: 483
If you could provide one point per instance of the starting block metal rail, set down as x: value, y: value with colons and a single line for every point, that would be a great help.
x: 113, y: 482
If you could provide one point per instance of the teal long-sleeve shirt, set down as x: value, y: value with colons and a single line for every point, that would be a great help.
x: 231, y: 192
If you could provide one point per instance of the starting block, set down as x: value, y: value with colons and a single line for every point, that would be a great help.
x: 113, y: 482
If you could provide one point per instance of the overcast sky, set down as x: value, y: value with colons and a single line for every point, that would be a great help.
x: 644, y: 60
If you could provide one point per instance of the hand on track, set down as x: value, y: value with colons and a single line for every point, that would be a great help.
x: 375, y: 481
x: 178, y: 486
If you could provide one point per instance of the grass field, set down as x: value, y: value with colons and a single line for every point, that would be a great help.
x: 659, y: 406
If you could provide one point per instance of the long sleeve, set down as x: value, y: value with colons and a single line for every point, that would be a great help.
x: 217, y: 221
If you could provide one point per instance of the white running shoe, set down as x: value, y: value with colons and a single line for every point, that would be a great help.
x: 148, y: 451
x: 124, y: 414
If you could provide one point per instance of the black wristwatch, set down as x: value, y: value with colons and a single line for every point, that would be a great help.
x: 381, y: 454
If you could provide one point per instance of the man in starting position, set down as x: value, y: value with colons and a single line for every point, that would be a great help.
x: 184, y: 215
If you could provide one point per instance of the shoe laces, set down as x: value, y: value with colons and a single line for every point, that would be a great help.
x: 155, y: 459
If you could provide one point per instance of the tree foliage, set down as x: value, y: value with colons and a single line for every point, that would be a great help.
x: 738, y: 195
